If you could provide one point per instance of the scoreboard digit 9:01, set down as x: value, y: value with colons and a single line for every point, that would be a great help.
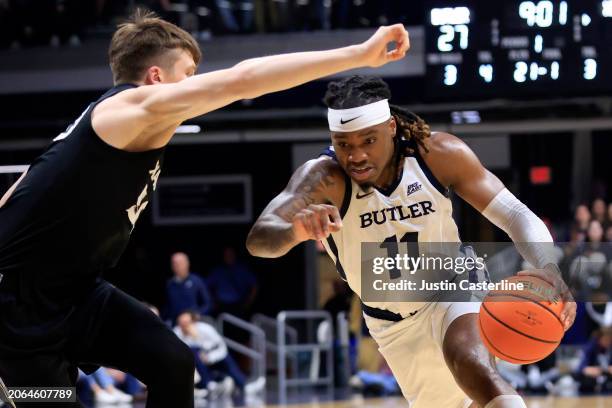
x: 518, y: 48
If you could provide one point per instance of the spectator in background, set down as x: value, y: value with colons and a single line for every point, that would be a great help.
x: 232, y: 285
x: 595, y: 238
x: 228, y: 11
x: 102, y: 385
x: 609, y: 222
x: 185, y: 291
x: 595, y: 234
x: 609, y: 234
x: 595, y: 371
x: 586, y: 262
x: 582, y: 217
x: 210, y: 353
x: 213, y: 362
x: 542, y: 373
x: 127, y: 383
x: 598, y: 210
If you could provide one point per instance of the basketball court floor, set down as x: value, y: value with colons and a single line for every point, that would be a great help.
x: 357, y: 401
x: 540, y: 402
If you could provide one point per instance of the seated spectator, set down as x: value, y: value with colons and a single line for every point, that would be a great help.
x: 375, y: 384
x: 213, y: 362
x: 102, y: 385
x: 127, y: 383
x: 535, y: 378
x: 542, y: 374
x: 513, y: 374
x: 582, y: 217
x: 185, y: 291
x: 233, y: 286
x: 587, y: 261
x: 379, y: 383
x: 595, y: 371
x: 595, y: 238
x: 609, y: 221
x: 598, y: 210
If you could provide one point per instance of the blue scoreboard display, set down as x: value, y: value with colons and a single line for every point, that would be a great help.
x: 516, y: 48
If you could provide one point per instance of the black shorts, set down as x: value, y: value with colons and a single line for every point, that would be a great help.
x: 110, y: 329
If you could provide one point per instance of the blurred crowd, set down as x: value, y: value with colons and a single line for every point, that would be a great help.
x: 192, y: 303
x: 583, y: 363
x: 587, y: 252
x: 26, y: 23
x: 583, y: 369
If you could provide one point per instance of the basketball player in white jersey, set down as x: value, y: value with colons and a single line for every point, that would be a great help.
x: 387, y: 176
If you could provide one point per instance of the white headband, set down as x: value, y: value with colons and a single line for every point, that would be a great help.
x: 361, y: 117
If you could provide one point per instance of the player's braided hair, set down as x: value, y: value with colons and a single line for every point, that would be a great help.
x: 359, y: 90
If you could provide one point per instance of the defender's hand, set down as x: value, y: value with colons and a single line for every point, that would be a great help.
x: 375, y: 48
x: 552, y: 276
x: 316, y: 221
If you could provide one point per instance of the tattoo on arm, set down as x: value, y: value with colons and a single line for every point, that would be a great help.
x: 272, y: 235
x: 306, y: 193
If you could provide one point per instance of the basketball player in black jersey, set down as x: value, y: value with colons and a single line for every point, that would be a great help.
x: 372, y: 143
x: 69, y: 218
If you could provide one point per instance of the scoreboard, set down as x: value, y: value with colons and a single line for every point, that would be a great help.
x: 514, y: 48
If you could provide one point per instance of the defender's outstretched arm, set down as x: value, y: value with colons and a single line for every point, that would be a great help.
x: 139, y: 111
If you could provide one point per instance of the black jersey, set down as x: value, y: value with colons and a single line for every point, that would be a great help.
x: 69, y: 219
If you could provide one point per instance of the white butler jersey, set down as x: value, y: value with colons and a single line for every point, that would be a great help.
x: 416, y: 208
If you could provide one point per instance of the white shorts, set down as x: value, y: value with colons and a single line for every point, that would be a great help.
x: 413, y: 350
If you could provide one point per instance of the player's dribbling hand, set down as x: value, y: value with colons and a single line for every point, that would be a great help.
x: 316, y: 221
x: 375, y: 48
x: 568, y: 314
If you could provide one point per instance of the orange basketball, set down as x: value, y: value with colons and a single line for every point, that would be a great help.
x: 521, y: 326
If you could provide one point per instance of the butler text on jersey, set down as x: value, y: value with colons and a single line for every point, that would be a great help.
x: 398, y: 213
